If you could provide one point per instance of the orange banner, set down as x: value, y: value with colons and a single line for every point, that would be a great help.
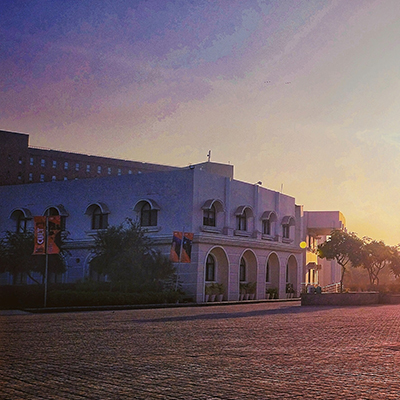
x: 53, y: 237
x: 40, y: 235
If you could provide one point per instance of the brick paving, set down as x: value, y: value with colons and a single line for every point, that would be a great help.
x: 247, y: 351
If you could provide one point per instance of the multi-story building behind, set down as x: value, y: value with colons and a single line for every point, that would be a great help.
x: 20, y: 163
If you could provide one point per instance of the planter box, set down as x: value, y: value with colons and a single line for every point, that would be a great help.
x: 340, y: 299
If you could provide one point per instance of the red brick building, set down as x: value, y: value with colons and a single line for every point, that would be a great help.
x: 20, y: 163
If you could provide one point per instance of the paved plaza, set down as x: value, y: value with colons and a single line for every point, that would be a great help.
x: 246, y: 351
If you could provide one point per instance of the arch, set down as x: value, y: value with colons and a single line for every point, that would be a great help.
x: 212, y: 210
x: 221, y: 268
x: 217, y: 203
x: 292, y: 273
x: 20, y: 216
x: 248, y: 261
x: 153, y: 205
x: 98, y: 213
x: 245, y: 210
x: 288, y: 220
x: 58, y: 210
x: 244, y: 217
x: 273, y: 265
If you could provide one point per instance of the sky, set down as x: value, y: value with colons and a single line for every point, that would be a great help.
x: 303, y: 95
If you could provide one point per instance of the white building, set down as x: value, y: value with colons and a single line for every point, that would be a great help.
x: 242, y: 232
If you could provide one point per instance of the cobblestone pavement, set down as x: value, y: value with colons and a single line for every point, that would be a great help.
x: 248, y: 351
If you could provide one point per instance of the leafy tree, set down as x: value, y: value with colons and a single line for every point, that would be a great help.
x: 376, y: 255
x: 126, y: 256
x: 345, y: 248
x: 16, y: 256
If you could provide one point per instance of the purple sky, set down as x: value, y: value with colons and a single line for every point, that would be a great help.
x: 303, y: 93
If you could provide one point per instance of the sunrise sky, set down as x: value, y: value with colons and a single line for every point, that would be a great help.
x: 304, y: 93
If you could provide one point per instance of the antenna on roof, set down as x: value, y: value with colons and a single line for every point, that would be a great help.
x: 209, y: 155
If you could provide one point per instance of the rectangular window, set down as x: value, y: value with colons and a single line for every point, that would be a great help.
x: 43, y: 162
x: 20, y: 161
x: 285, y: 231
x: 241, y: 223
x: 77, y: 167
x: 130, y: 172
x: 65, y: 178
x: 53, y: 178
x: 66, y: 165
x: 109, y: 170
x: 19, y: 175
x: 30, y: 177
x: 99, y: 169
x: 31, y: 160
x: 266, y: 227
x: 209, y: 217
x: 119, y: 171
x: 88, y: 168
x: 41, y: 177
x: 54, y: 164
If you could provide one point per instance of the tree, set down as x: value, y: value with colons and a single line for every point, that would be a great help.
x: 16, y: 256
x: 125, y: 254
x: 345, y: 248
x: 376, y: 256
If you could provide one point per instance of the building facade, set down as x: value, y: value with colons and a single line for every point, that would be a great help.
x: 242, y: 233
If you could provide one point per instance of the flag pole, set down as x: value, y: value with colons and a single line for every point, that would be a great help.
x: 47, y: 262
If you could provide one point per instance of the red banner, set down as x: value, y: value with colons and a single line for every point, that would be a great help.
x: 185, y: 246
x: 40, y: 235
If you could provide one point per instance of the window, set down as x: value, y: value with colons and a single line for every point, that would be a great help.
x: 41, y: 177
x: 65, y: 178
x: 241, y: 222
x: 43, y: 162
x: 77, y: 167
x: 88, y: 168
x: 63, y: 217
x: 267, y: 273
x: 130, y: 172
x: 287, y: 272
x: 266, y: 227
x: 20, y: 161
x: 109, y: 170
x: 54, y: 164
x: 99, y: 219
x: 30, y: 177
x: 66, y: 165
x: 209, y: 216
x: 242, y: 270
x: 19, y: 176
x: 31, y: 161
x: 21, y: 219
x: 148, y: 216
x: 119, y: 171
x: 210, y: 268
x: 99, y: 169
x: 285, y: 231
x: 53, y: 178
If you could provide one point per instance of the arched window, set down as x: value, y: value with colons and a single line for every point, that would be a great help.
x: 59, y: 210
x: 148, y: 216
x: 209, y: 216
x: 21, y: 218
x: 287, y: 222
x: 241, y: 222
x: 99, y: 219
x: 210, y: 268
x: 244, y: 214
x: 242, y: 270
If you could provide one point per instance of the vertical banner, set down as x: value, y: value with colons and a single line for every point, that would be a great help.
x: 40, y: 236
x: 54, y: 235
x: 186, y: 247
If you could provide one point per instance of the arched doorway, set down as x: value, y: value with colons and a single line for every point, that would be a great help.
x: 291, y: 274
x: 272, y: 276
x: 248, y: 273
x: 216, y: 269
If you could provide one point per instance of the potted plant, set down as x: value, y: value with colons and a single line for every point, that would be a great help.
x: 220, y: 294
x: 251, y: 289
x: 289, y: 290
x: 242, y: 290
x: 208, y: 291
x: 273, y: 293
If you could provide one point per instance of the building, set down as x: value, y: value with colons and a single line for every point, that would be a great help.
x: 242, y: 232
x: 20, y: 163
